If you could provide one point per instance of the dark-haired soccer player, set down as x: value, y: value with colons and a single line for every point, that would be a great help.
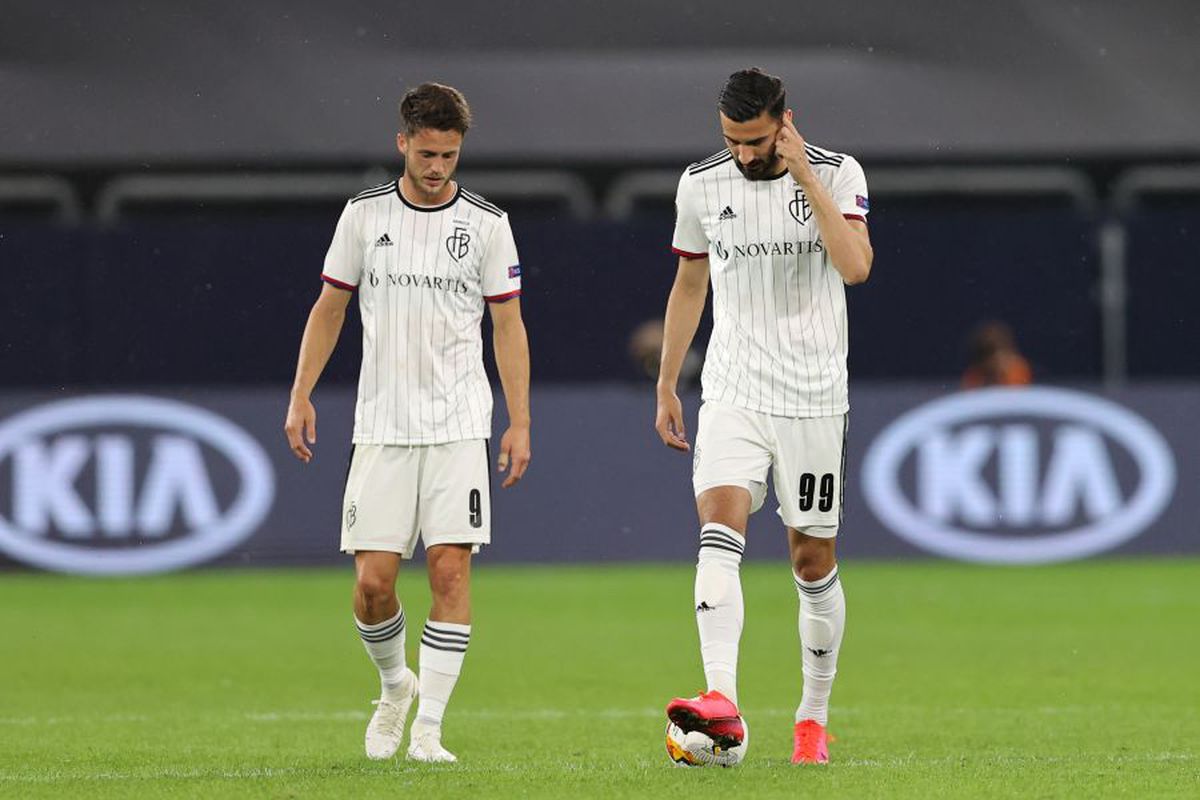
x: 779, y: 227
x: 425, y: 256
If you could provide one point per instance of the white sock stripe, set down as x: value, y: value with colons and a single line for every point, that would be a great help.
x: 427, y: 636
x: 381, y: 631
x: 716, y: 527
x: 374, y: 626
x: 450, y: 628
x: 425, y: 642
x: 713, y: 536
x: 719, y: 539
x: 822, y: 589
x: 381, y: 637
x: 430, y: 630
x: 812, y: 588
x: 712, y: 546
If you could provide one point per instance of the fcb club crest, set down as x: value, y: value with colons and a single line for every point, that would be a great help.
x: 458, y: 244
x: 799, y: 208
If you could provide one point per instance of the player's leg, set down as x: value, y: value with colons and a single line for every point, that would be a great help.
x: 822, y: 623
x: 377, y: 527
x: 720, y: 612
x: 444, y: 645
x: 808, y: 481
x: 731, y: 464
x: 378, y: 615
x: 455, y: 523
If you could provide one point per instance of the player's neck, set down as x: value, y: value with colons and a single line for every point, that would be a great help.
x: 416, y: 197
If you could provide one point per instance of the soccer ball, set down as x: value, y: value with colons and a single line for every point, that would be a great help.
x: 695, y: 749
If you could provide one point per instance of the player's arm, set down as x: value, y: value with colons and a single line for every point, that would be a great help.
x: 511, y: 346
x: 684, y: 307
x: 847, y: 240
x: 320, y: 335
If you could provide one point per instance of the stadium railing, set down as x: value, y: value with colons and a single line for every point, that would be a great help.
x: 557, y: 188
x: 47, y: 194
x: 658, y: 185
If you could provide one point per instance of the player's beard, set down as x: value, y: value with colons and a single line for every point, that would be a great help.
x: 433, y: 192
x: 429, y: 193
x: 760, y: 169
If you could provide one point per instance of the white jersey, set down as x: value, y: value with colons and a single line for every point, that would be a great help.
x: 422, y: 275
x: 779, y: 339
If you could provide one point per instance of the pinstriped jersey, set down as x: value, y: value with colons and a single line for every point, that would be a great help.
x: 423, y: 275
x: 779, y: 339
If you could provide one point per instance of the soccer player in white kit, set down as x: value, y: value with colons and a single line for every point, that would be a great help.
x: 425, y: 256
x: 779, y: 227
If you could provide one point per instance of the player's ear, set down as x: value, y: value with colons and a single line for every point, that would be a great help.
x: 401, y: 143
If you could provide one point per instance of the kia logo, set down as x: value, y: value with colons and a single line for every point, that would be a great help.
x: 127, y: 484
x: 1018, y: 476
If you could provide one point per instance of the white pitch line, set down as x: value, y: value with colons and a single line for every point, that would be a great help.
x: 402, y: 769
x: 1010, y: 760
x: 305, y: 715
x: 74, y: 720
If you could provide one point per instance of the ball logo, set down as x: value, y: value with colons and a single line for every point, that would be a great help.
x: 1019, y: 476
x: 127, y: 484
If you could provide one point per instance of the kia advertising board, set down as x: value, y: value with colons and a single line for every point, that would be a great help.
x: 158, y: 472
x: 138, y: 483
x: 1024, y: 475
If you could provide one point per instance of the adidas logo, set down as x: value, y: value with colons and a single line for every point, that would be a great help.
x: 818, y: 652
x: 704, y: 606
x: 383, y: 241
x: 726, y: 214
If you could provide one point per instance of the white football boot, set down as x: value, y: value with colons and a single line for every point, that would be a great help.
x: 386, y: 728
x: 425, y: 744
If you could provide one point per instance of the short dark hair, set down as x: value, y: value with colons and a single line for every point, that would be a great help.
x: 433, y: 105
x: 750, y: 92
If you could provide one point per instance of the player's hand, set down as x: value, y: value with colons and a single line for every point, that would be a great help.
x: 668, y: 421
x: 789, y: 145
x: 514, y: 454
x: 301, y: 426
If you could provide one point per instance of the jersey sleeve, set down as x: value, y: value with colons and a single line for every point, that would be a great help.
x: 344, y: 260
x: 690, y: 240
x: 850, y: 190
x: 501, y: 270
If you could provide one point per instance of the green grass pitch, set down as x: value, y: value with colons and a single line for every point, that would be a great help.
x: 1076, y: 681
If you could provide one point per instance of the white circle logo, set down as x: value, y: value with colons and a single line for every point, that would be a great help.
x: 1018, y: 475
x: 124, y: 484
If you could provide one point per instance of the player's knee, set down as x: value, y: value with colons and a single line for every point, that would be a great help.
x: 375, y: 590
x: 813, y: 556
x: 813, y: 566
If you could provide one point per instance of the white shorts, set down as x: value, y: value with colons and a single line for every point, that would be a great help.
x: 737, y: 447
x: 396, y: 494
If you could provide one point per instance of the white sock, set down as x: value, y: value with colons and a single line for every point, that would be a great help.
x: 822, y: 620
x: 719, y: 608
x: 385, y: 645
x: 443, y: 648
